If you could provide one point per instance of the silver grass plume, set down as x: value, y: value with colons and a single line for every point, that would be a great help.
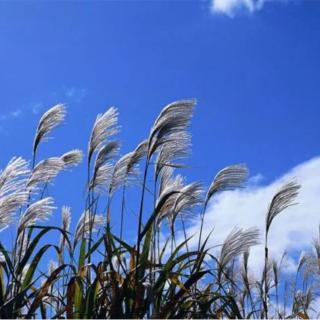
x: 126, y: 168
x: 72, y: 158
x: 106, y: 153
x: 66, y: 218
x: 176, y: 147
x: 165, y: 176
x: 100, y: 182
x: 283, y: 199
x: 66, y: 221
x: 176, y: 109
x: 14, y: 176
x: 12, y: 190
x: 37, y: 211
x: 136, y: 156
x: 237, y: 243
x: 88, y: 224
x: 181, y: 202
x: 244, y: 271
x: 168, y: 196
x: 229, y: 178
x: 120, y: 173
x: 8, y: 206
x: 102, y: 172
x: 52, y: 118
x: 189, y: 197
x: 172, y: 120
x: 45, y: 171
x: 105, y: 126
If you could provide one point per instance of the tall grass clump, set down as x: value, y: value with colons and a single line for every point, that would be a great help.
x: 97, y: 270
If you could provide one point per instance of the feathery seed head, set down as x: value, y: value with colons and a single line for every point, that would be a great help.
x: 167, y: 198
x: 72, y: 158
x: 177, y: 147
x: 13, y: 195
x: 45, y: 171
x: 237, y: 242
x: 102, y: 177
x: 52, y: 118
x: 66, y: 218
x: 189, y: 197
x: 172, y: 120
x: 85, y: 223
x: 136, y: 156
x: 229, y: 178
x: 165, y: 176
x: 185, y: 200
x: 140, y: 151
x: 126, y: 168
x: 283, y: 199
x: 8, y: 206
x: 106, y: 153
x: 37, y: 211
x: 104, y: 127
x: 121, y: 174
x: 14, y: 176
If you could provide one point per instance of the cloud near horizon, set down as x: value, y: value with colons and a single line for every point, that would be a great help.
x: 292, y: 231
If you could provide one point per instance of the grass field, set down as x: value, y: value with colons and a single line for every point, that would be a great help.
x: 97, y: 273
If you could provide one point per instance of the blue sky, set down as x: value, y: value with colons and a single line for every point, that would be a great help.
x: 255, y: 75
x: 254, y: 71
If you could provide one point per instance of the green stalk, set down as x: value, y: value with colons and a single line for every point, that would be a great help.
x: 139, y: 238
x: 266, y: 258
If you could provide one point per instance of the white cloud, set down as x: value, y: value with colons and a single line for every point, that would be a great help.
x: 230, y: 7
x: 293, y: 230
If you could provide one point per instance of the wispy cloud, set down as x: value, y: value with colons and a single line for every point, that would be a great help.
x: 36, y: 107
x: 75, y: 94
x: 71, y: 95
x: 232, y: 7
x: 11, y: 115
x: 7, y: 116
x: 293, y: 230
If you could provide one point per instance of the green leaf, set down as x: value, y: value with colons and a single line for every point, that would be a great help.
x: 33, y: 266
x: 82, y: 255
